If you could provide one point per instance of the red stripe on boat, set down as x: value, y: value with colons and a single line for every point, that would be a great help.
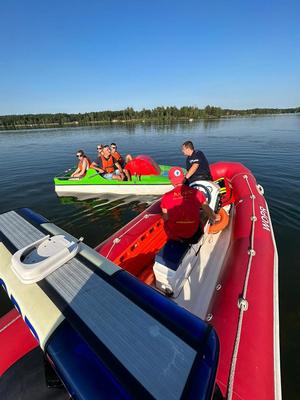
x: 16, y: 339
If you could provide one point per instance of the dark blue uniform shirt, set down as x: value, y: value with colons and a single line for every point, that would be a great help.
x: 203, y: 171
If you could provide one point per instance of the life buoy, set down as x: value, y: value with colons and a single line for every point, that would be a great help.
x: 220, y: 225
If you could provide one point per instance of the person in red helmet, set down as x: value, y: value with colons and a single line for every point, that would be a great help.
x: 181, y: 208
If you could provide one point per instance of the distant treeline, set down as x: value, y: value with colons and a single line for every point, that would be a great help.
x: 130, y: 115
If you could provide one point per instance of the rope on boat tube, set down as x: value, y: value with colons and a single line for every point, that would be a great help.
x: 242, y: 301
x: 118, y: 239
x: 10, y: 323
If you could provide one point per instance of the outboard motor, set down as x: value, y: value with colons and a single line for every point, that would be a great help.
x: 211, y: 191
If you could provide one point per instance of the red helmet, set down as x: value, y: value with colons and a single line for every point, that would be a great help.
x: 176, y: 175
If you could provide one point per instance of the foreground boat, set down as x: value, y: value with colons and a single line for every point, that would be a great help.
x: 147, y: 178
x: 107, y: 334
x: 231, y: 281
x: 106, y: 331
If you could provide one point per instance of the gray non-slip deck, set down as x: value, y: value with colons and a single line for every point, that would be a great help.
x: 153, y: 354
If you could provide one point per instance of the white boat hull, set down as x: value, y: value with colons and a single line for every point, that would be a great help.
x: 68, y: 190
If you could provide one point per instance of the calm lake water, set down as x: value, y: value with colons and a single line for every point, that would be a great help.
x: 269, y: 146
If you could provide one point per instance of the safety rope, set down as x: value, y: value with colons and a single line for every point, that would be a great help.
x: 242, y: 301
x: 118, y: 239
x: 10, y: 323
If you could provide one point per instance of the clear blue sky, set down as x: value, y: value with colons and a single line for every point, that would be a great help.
x: 78, y: 56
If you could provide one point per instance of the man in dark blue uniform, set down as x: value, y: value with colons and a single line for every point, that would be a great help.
x: 196, y: 164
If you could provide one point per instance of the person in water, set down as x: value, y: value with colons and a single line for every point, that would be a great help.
x: 107, y: 166
x: 196, y: 164
x: 181, y: 208
x: 83, y: 165
x: 119, y: 159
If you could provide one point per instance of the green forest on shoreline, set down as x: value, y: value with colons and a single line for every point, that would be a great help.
x: 129, y: 115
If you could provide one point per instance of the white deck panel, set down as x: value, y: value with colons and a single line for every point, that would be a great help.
x: 200, y: 286
x: 68, y: 190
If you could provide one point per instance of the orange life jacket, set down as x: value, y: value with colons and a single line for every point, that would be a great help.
x: 88, y: 163
x: 118, y: 158
x: 108, y: 164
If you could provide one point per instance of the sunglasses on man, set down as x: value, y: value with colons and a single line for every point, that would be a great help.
x: 79, y: 155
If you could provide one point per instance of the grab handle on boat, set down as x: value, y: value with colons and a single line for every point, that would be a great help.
x: 40, y: 258
x: 260, y: 189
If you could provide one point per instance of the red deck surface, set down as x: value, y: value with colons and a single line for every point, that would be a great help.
x: 16, y: 339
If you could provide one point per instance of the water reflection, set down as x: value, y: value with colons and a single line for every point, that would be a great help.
x: 96, y: 218
x: 209, y: 124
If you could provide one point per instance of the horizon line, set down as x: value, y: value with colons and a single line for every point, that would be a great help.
x: 153, y: 108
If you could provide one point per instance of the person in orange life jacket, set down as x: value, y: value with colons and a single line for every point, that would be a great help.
x: 119, y: 159
x: 83, y: 165
x: 106, y: 165
x: 116, y: 155
x: 181, y: 208
x: 99, y: 148
x: 196, y: 164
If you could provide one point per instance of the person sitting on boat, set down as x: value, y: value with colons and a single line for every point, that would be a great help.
x: 99, y: 148
x: 119, y: 159
x: 181, y: 208
x: 196, y: 164
x: 83, y: 165
x: 116, y: 155
x: 107, y: 166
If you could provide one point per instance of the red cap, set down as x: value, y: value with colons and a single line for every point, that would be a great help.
x: 176, y: 175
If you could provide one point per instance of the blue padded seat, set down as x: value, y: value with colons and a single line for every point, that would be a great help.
x: 172, y: 254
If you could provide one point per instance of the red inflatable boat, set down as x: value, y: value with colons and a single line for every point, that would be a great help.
x: 226, y: 277
x: 233, y: 286
x: 15, y: 336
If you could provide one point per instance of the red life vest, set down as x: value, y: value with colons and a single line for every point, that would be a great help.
x: 108, y: 164
x: 88, y: 163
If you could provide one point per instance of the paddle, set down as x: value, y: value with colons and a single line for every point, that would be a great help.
x: 65, y: 172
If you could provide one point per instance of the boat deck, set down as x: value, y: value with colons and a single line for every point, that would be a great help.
x: 139, y: 257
